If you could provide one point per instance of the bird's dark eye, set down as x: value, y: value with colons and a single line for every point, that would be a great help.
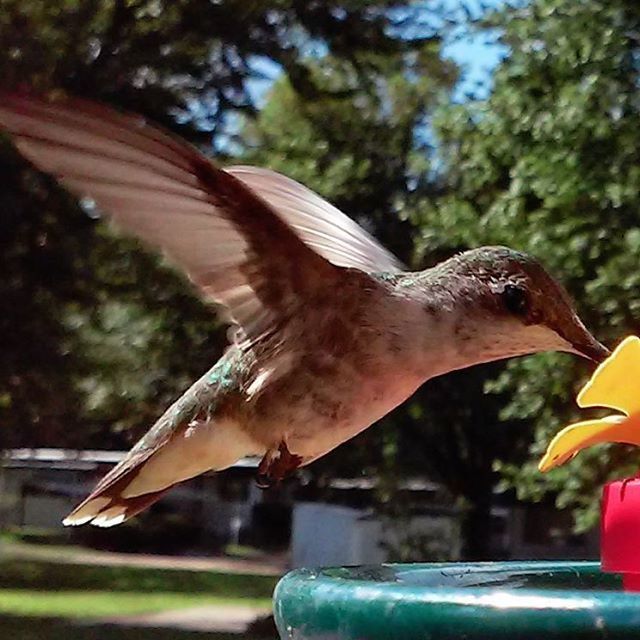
x: 515, y: 299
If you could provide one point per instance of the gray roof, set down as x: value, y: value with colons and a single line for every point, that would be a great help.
x: 79, y: 459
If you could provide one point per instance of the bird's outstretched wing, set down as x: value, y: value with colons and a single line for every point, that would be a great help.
x: 251, y: 240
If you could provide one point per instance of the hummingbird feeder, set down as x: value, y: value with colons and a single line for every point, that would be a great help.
x: 620, y: 521
x: 620, y: 531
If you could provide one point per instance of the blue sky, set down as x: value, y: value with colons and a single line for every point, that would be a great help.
x: 476, y: 54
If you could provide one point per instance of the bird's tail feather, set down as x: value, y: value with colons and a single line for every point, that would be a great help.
x: 108, y: 510
x: 147, y: 473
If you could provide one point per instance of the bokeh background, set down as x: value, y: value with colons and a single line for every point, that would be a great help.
x: 438, y: 125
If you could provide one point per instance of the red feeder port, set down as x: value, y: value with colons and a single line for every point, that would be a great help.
x: 620, y: 539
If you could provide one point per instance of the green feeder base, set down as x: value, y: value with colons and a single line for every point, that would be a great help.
x: 515, y: 600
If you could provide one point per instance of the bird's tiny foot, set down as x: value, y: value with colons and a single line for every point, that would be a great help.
x: 276, y: 465
x: 263, y: 481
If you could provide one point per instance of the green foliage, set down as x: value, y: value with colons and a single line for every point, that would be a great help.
x: 549, y: 163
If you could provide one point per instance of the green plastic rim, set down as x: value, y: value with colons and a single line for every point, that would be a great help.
x: 515, y: 600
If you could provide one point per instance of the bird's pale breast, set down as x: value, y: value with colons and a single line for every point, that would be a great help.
x: 322, y: 397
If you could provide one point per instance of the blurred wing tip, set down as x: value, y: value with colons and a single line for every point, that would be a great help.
x: 109, y: 518
x: 101, y: 520
x: 72, y: 521
x: 106, y: 520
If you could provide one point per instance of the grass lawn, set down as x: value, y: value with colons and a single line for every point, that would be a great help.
x: 101, y: 604
x: 44, y: 588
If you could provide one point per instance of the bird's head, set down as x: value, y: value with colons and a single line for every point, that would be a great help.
x: 506, y: 304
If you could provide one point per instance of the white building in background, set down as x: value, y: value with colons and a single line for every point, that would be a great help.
x: 335, y: 525
x: 328, y: 534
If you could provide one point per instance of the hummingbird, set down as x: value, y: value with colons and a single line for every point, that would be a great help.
x: 329, y: 331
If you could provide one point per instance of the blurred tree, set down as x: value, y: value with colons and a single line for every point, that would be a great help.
x: 358, y: 145
x: 195, y: 59
x: 98, y: 336
x: 550, y: 163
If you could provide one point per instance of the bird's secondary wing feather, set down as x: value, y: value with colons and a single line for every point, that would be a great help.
x: 321, y: 225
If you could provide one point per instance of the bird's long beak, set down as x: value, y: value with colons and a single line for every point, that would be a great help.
x: 588, y: 347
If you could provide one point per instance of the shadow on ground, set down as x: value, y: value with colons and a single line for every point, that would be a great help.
x: 33, y: 628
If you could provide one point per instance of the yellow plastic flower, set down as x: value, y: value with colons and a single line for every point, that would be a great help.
x: 615, y: 384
